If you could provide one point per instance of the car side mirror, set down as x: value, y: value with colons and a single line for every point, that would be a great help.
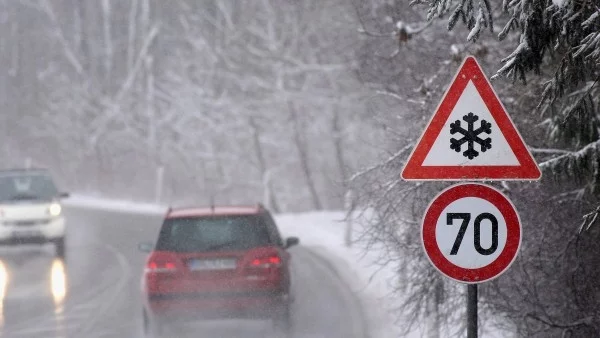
x: 291, y: 241
x: 64, y: 195
x: 145, y: 247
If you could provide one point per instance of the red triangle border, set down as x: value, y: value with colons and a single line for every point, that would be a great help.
x: 414, y: 170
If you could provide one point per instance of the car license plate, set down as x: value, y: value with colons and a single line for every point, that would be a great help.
x: 26, y: 233
x: 211, y: 264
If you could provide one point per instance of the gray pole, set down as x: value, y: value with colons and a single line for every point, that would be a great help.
x: 472, y: 311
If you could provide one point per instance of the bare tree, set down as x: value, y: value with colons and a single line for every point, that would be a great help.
x: 116, y: 90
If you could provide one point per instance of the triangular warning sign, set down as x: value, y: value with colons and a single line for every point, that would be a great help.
x: 470, y: 136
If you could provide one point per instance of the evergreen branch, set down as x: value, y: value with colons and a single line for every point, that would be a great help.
x: 579, y: 166
x: 580, y: 99
x: 549, y: 151
x: 553, y: 163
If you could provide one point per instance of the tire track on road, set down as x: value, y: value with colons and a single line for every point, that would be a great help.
x: 118, y: 290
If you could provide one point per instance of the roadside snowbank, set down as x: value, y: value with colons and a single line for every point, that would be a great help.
x: 83, y: 201
x: 324, y: 232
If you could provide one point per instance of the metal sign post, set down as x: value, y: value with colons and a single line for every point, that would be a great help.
x: 472, y: 311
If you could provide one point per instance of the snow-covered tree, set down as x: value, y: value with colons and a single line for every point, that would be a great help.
x: 557, y: 36
x: 230, y: 101
x: 545, y: 60
x: 274, y: 92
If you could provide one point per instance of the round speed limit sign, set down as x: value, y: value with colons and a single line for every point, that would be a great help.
x: 471, y: 233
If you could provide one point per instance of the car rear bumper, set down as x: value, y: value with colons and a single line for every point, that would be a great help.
x: 50, y: 230
x: 222, y: 305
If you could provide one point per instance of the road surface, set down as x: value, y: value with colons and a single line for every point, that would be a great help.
x: 95, y: 292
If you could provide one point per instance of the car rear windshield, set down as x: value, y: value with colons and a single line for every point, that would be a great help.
x: 20, y: 187
x: 206, y: 234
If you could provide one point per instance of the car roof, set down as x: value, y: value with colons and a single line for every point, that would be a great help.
x: 231, y: 210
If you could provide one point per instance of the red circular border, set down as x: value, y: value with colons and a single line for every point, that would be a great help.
x: 513, y: 236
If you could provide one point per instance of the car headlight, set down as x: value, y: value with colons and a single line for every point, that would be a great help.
x: 54, y: 209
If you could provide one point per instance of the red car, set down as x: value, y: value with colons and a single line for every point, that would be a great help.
x: 217, y: 263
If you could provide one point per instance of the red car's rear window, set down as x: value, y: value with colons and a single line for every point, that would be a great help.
x: 208, y: 234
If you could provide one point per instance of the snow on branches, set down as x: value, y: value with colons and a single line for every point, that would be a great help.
x: 474, y: 17
x: 557, y: 37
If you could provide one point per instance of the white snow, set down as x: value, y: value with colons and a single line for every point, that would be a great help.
x: 323, y: 232
x: 95, y: 202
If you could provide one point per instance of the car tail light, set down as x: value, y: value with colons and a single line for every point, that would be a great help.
x: 273, y: 261
x: 158, y: 267
x: 161, y: 263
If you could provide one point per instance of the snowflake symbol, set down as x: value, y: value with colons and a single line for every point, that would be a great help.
x: 470, y: 136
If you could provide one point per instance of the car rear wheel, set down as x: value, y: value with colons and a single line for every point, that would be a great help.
x: 60, y: 248
x: 151, y: 329
x: 282, y: 323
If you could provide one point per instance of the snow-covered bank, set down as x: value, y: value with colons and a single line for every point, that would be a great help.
x: 83, y: 201
x: 324, y: 232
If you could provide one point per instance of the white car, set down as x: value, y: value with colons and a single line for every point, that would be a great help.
x: 30, y: 209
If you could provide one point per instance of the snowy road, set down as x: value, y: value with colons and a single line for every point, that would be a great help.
x: 96, y: 292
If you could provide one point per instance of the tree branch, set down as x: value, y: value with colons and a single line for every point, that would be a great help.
x: 47, y: 8
x: 385, y: 163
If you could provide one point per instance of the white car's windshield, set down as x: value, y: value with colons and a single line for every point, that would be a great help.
x: 19, y: 187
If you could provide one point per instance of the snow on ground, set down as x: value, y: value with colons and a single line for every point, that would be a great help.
x: 322, y: 232
x: 85, y: 201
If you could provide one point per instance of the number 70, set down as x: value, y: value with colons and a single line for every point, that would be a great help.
x: 466, y: 219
